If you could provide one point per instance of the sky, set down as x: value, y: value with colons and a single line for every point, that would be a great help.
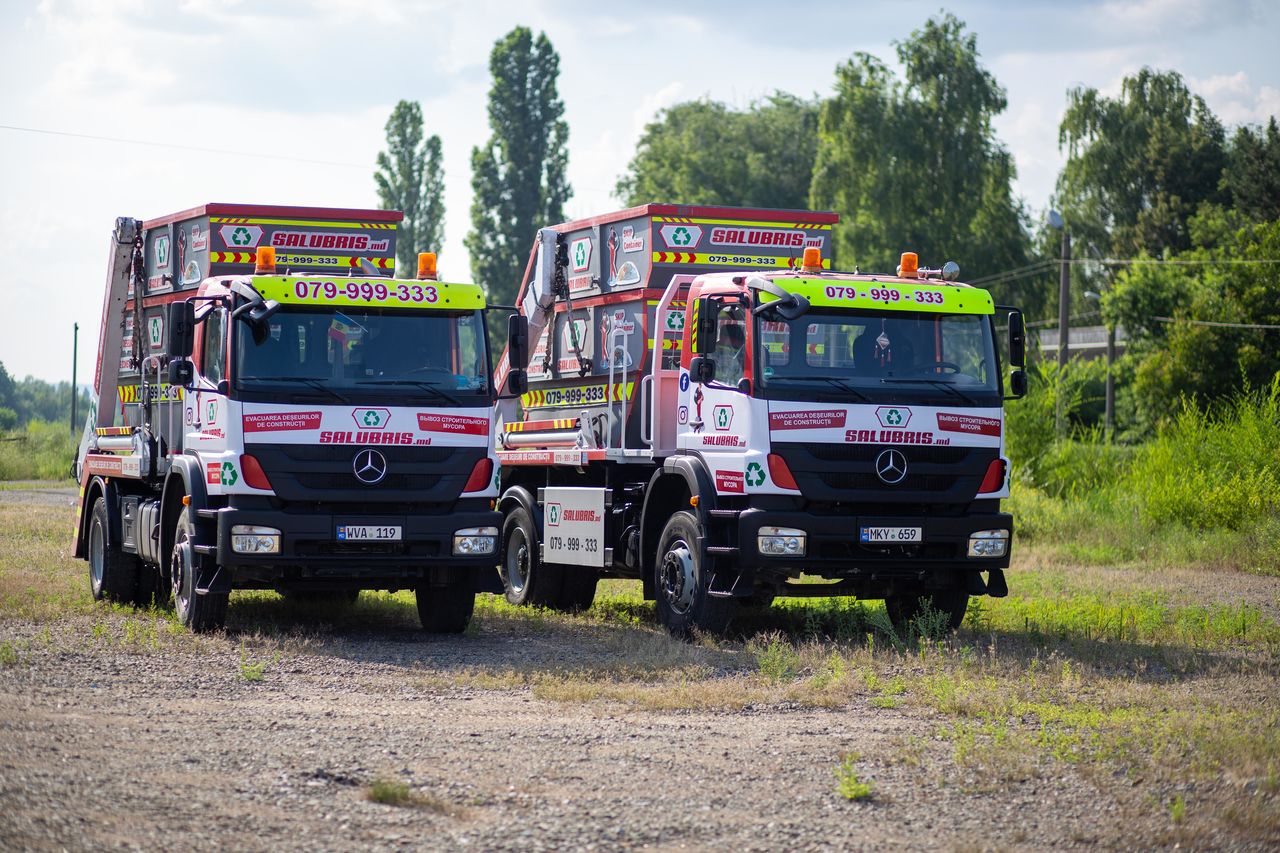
x: 285, y: 102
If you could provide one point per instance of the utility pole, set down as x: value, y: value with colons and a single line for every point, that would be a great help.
x: 1064, y: 300
x: 75, y: 342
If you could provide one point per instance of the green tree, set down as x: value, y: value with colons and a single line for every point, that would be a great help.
x: 1138, y: 166
x: 703, y: 152
x: 1252, y: 175
x: 410, y: 178
x: 914, y: 165
x: 518, y: 177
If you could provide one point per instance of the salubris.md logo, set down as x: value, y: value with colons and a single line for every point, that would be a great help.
x: 371, y: 418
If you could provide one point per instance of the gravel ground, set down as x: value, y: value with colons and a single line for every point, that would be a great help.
x: 115, y: 751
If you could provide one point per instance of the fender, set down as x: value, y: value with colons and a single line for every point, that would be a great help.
x: 522, y: 496
x: 106, y: 489
x: 698, y: 481
x: 186, y: 479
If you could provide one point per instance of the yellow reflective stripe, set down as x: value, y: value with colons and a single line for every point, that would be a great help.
x: 751, y: 223
x: 316, y: 223
x: 577, y: 395
x: 129, y: 393
x: 933, y: 298
x: 729, y: 259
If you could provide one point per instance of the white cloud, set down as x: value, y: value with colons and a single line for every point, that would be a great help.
x: 1235, y: 99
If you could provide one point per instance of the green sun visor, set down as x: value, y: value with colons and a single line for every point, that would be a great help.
x: 881, y: 296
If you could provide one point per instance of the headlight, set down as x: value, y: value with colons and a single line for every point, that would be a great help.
x: 989, y: 543
x: 252, y: 539
x: 475, y: 541
x: 780, y: 541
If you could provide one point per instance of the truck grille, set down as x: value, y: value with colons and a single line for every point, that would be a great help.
x: 418, y: 475
x: 846, y: 472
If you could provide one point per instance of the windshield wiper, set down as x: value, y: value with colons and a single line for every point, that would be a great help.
x: 435, y: 390
x: 937, y: 383
x: 838, y: 381
x: 309, y: 380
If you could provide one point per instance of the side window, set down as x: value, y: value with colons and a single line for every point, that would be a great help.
x: 213, y: 359
x: 730, y: 353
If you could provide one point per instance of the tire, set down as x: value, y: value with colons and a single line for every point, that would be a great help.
x: 680, y: 582
x: 447, y: 609
x: 199, y: 613
x: 525, y: 580
x: 903, y: 609
x: 113, y: 574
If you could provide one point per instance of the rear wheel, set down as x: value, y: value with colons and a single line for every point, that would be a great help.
x: 446, y: 609
x: 113, y: 574
x: 683, y: 602
x: 200, y: 613
x: 904, y: 610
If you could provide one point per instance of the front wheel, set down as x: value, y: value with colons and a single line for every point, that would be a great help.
x: 199, y: 613
x: 525, y: 579
x: 447, y: 609
x: 681, y: 582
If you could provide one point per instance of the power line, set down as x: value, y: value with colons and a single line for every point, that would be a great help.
x: 1214, y: 323
x: 150, y: 144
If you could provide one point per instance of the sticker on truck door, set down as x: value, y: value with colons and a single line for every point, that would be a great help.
x: 573, y: 526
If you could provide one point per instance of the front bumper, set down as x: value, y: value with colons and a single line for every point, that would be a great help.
x: 310, y: 550
x: 833, y: 549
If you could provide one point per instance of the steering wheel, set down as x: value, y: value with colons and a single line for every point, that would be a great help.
x: 945, y: 366
x: 430, y: 369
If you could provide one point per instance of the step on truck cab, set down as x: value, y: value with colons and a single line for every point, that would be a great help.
x: 276, y: 412
x: 710, y: 408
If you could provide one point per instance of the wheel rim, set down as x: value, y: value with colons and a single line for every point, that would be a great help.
x: 678, y: 581
x: 517, y: 561
x: 179, y: 568
x: 96, y: 548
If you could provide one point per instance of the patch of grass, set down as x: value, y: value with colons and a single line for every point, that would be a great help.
x: 848, y: 785
x: 776, y: 658
x: 8, y: 654
x: 393, y: 792
x: 40, y: 451
x: 1178, y: 809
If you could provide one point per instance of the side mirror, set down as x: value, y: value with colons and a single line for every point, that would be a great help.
x: 1017, y: 340
x: 704, y: 325
x: 1018, y: 383
x: 517, y: 381
x: 181, y: 373
x: 518, y: 342
x: 703, y: 369
x: 182, y: 329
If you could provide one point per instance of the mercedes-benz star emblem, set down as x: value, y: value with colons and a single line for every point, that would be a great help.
x: 370, y: 467
x: 891, y: 466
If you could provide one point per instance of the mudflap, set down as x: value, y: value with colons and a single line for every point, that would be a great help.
x: 211, y: 578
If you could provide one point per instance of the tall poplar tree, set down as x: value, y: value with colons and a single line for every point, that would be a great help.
x: 410, y: 178
x: 518, y: 176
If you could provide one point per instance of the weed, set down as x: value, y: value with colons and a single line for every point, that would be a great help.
x: 1178, y: 809
x: 776, y: 659
x: 392, y: 792
x: 8, y: 654
x: 848, y: 785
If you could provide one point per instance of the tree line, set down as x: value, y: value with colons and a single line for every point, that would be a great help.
x: 1171, y: 216
x: 23, y: 401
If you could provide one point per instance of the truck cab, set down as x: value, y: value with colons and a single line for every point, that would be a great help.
x: 301, y: 431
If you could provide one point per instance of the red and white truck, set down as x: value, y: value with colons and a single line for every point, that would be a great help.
x: 276, y: 412
x: 709, y: 408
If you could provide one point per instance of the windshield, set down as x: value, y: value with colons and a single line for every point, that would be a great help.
x: 878, y: 356
x: 357, y: 355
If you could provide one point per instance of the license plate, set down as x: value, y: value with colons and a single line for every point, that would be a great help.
x: 362, y: 532
x: 877, y: 535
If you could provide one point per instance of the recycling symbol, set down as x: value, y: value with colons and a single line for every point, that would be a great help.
x: 580, y: 255
x: 228, y: 474
x: 553, y: 514
x: 681, y: 236
x: 240, y: 236
x: 675, y: 321
x: 372, y: 418
x: 893, y: 417
x: 755, y: 474
x: 724, y: 415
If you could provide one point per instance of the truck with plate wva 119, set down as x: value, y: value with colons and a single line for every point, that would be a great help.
x: 709, y: 408
x: 276, y: 412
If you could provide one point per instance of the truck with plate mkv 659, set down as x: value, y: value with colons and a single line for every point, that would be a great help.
x: 276, y: 412
x: 711, y: 409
